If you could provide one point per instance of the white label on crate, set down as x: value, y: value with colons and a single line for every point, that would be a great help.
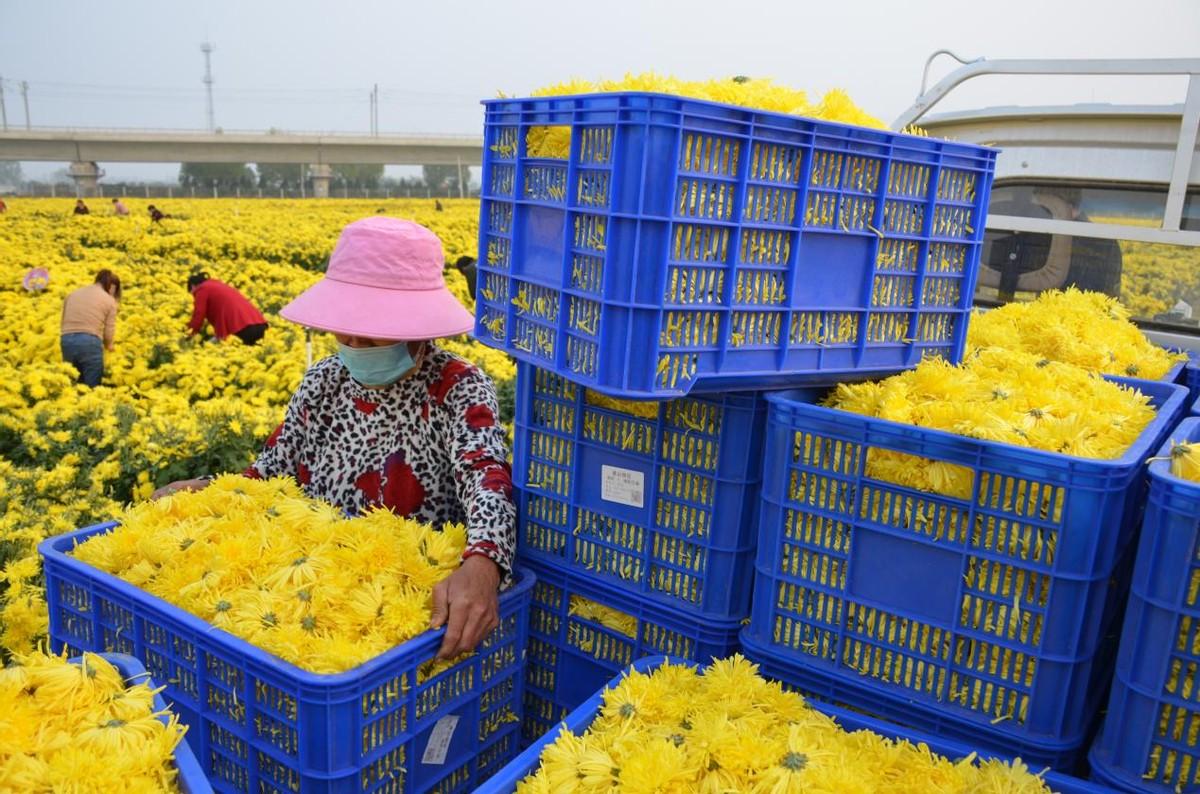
x: 623, y: 486
x: 439, y: 740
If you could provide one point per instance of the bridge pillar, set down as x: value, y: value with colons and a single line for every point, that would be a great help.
x: 321, y: 176
x: 86, y: 176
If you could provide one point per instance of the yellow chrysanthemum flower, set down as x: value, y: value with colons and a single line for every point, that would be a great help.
x: 727, y: 729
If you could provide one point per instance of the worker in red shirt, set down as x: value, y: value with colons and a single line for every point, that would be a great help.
x: 227, y: 309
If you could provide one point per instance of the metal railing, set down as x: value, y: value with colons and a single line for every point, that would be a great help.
x: 462, y: 137
x: 1148, y: 67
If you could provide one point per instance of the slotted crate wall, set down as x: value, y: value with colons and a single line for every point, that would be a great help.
x: 259, y: 724
x: 683, y: 245
x: 1151, y: 736
x: 980, y: 612
x: 657, y: 499
x: 582, y: 633
x: 541, y: 716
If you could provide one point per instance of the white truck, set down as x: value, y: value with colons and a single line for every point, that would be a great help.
x: 1101, y: 196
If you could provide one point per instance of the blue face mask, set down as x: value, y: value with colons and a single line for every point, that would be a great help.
x: 376, y: 366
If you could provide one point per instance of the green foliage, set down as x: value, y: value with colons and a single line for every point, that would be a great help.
x: 358, y: 176
x: 276, y: 176
x: 443, y: 179
x: 223, y: 176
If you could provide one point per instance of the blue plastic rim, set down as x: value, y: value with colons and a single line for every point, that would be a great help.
x: 258, y: 723
x: 572, y: 654
x: 191, y: 779
x: 579, y: 719
x: 986, y: 614
x: 687, y: 246
x: 1150, y: 741
x: 1191, y: 379
x: 661, y: 505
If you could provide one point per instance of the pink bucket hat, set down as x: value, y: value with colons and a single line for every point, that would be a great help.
x: 384, y: 281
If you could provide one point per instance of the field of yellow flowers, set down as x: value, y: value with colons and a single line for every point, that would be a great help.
x: 169, y: 407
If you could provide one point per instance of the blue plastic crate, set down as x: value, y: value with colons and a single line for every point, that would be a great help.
x: 1148, y: 742
x: 578, y: 720
x: 191, y: 779
x: 689, y: 246
x: 258, y: 723
x: 570, y: 655
x: 661, y: 506
x: 985, y: 616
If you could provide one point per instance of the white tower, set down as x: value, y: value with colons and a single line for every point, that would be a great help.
x: 207, y: 49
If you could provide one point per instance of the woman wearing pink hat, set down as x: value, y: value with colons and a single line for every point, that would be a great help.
x: 393, y: 421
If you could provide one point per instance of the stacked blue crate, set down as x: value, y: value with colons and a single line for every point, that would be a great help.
x: 980, y: 616
x: 684, y: 246
x: 258, y: 723
x: 692, y: 253
x: 1149, y: 742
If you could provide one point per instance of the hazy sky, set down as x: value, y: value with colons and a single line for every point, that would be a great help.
x: 306, y: 65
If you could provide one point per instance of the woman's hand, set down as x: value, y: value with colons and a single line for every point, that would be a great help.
x: 180, y: 485
x: 468, y: 604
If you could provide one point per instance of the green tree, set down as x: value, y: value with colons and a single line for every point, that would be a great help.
x: 223, y: 176
x: 273, y: 176
x: 10, y: 173
x: 443, y: 179
x: 358, y: 176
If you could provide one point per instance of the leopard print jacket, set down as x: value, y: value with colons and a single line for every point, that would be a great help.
x: 428, y: 447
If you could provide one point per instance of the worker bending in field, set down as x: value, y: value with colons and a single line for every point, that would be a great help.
x: 226, y: 309
x: 89, y: 326
x: 393, y: 421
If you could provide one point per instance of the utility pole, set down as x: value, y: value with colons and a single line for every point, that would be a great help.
x: 375, y: 110
x: 207, y: 49
x: 25, y: 98
x: 3, y: 112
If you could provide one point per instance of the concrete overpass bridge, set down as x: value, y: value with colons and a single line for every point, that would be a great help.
x: 83, y: 148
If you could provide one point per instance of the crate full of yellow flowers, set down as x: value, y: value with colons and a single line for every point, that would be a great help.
x: 95, y: 723
x: 950, y: 548
x: 292, y: 640
x: 667, y: 726
x: 1151, y: 736
x: 656, y: 238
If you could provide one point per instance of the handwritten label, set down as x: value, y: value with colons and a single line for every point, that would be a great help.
x: 439, y: 740
x: 623, y: 486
